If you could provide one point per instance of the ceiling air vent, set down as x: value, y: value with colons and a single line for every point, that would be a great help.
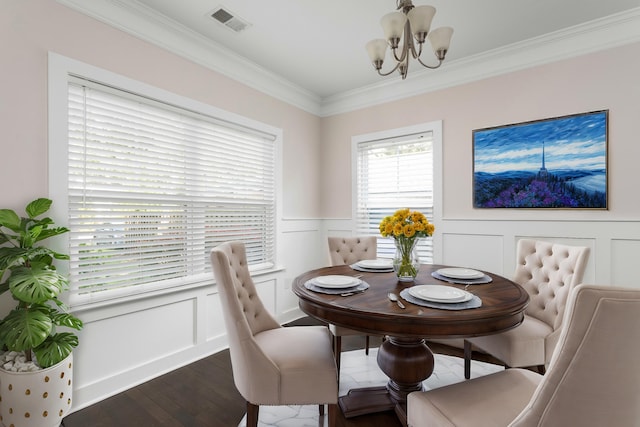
x: 229, y: 20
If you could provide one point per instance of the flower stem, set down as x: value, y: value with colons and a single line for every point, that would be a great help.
x: 405, y: 246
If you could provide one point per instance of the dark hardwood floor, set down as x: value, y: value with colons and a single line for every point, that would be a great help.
x: 201, y: 394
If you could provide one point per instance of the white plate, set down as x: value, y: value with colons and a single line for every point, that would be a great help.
x: 336, y: 281
x: 382, y: 264
x: 460, y: 273
x: 440, y: 293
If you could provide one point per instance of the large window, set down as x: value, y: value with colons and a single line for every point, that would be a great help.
x: 152, y: 187
x: 394, y: 170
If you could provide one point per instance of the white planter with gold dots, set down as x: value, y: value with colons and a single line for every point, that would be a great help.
x: 36, y: 399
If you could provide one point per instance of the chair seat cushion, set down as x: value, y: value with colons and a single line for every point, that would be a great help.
x: 490, y: 401
x: 306, y: 366
x: 519, y: 347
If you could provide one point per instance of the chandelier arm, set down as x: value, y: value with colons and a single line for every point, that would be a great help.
x: 403, y: 55
x: 433, y: 67
x: 406, y: 46
x: 416, y: 54
x: 389, y: 72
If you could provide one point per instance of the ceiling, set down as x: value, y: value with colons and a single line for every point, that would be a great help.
x: 317, y: 46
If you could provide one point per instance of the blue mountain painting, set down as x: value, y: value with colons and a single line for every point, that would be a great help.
x: 554, y: 163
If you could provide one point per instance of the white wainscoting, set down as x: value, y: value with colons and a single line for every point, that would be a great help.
x: 301, y: 249
x: 123, y: 345
x: 491, y: 245
x: 624, y: 256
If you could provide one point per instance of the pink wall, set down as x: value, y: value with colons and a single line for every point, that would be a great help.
x: 316, y: 152
x: 29, y: 29
x: 605, y: 80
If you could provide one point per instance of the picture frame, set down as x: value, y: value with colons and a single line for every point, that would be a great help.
x: 553, y: 163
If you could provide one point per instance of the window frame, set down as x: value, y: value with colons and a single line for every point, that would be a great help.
x: 61, y: 71
x: 435, y: 127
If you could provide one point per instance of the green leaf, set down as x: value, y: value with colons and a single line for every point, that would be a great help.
x: 50, y: 232
x: 66, y: 319
x: 11, y: 257
x: 58, y: 255
x: 41, y: 256
x: 55, y: 349
x: 26, y: 239
x: 36, y: 284
x: 44, y: 222
x: 15, y: 257
x: 34, y: 232
x: 4, y: 237
x: 10, y: 219
x: 38, y: 207
x: 24, y: 329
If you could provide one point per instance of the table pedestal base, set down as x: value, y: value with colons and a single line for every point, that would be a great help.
x: 407, y: 362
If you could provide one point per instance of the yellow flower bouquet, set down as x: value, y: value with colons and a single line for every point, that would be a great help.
x: 406, y: 227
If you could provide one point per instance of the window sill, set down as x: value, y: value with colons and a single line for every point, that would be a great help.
x: 142, y: 292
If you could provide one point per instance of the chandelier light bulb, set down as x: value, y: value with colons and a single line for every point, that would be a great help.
x: 393, y: 26
x: 420, y: 18
x: 440, y: 39
x: 377, y: 50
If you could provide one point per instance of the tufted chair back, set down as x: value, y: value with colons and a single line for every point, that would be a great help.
x: 244, y: 316
x: 548, y: 272
x: 349, y: 250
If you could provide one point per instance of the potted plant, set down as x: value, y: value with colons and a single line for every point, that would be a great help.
x: 36, y: 365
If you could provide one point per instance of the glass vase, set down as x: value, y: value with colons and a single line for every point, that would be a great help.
x: 405, y: 261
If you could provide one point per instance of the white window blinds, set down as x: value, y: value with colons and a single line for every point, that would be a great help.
x: 393, y: 174
x: 152, y: 188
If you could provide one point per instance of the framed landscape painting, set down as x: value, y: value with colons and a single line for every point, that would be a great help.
x: 556, y: 163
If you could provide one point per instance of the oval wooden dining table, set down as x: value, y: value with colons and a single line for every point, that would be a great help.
x: 404, y: 356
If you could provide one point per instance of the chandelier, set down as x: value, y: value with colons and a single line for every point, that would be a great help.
x: 405, y: 32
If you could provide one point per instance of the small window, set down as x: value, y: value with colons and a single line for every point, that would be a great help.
x: 394, y: 170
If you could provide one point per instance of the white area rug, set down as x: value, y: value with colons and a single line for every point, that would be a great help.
x: 359, y: 370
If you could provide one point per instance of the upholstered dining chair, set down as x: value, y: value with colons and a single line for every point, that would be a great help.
x: 547, y: 271
x: 349, y: 250
x: 271, y: 364
x: 593, y: 378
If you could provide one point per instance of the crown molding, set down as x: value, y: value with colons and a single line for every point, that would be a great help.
x: 605, y: 33
x: 146, y: 24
